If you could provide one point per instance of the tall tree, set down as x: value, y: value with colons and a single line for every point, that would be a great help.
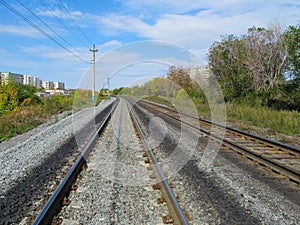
x: 292, y: 44
x: 265, y: 57
x: 181, y: 77
x: 226, y: 60
x: 8, y: 96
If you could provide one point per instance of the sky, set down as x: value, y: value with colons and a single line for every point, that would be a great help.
x: 52, y: 38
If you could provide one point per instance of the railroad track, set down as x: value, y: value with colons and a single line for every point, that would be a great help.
x: 59, y: 197
x: 280, y: 158
x: 175, y: 216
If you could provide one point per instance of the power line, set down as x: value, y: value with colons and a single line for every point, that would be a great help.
x: 36, y: 16
x: 16, y: 12
x: 76, y: 22
x: 62, y: 23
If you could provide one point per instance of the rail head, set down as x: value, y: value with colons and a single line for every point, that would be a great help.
x: 179, y: 214
x: 264, y: 139
x: 50, y: 209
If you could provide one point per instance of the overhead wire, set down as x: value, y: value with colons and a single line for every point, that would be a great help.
x: 76, y: 22
x: 36, y: 16
x: 62, y: 23
x: 16, y: 12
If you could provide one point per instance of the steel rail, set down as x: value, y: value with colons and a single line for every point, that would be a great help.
x: 291, y: 173
x: 180, y: 217
x: 264, y: 139
x: 54, y: 203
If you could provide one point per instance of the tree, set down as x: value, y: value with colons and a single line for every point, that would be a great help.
x: 181, y: 77
x: 292, y: 45
x: 116, y: 91
x: 226, y: 60
x: 265, y: 57
x: 26, y: 95
x: 8, y: 96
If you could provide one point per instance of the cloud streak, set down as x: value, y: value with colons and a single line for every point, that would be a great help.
x: 197, y: 30
x: 20, y: 30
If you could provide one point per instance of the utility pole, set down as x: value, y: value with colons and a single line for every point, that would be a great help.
x: 93, y: 50
x: 108, y: 78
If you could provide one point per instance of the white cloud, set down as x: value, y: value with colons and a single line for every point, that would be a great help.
x: 186, y: 6
x: 2, y: 51
x: 199, y: 30
x: 59, y: 13
x: 112, y: 43
x: 20, y: 30
x: 56, y: 53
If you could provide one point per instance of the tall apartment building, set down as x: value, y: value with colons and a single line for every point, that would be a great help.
x: 59, y: 85
x: 18, y: 78
x: 199, y: 74
x: 22, y: 79
x: 32, y: 80
x: 48, y: 85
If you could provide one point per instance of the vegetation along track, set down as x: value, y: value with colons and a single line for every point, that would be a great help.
x: 280, y: 158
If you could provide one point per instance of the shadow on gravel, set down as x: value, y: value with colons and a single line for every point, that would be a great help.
x: 208, y: 191
x: 19, y: 202
x: 27, y: 197
x: 204, y: 188
x: 279, y: 184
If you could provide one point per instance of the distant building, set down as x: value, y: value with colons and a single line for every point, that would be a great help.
x: 21, y: 79
x: 18, y: 78
x: 200, y: 74
x: 48, y: 85
x: 32, y: 80
x: 66, y: 93
x: 59, y: 85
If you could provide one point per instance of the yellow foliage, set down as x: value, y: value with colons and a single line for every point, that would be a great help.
x: 26, y: 101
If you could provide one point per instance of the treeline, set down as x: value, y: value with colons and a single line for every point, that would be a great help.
x: 177, y: 85
x: 15, y: 97
x: 21, y: 109
x: 259, y: 67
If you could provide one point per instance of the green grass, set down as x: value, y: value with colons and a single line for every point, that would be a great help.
x: 29, y: 117
x: 26, y: 118
x: 281, y: 121
x: 15, y: 123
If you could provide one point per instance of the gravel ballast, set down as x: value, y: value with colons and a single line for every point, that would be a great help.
x: 231, y: 191
x: 107, y: 193
x: 32, y: 168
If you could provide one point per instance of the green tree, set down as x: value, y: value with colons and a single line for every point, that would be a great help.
x: 116, y: 91
x: 26, y: 95
x: 8, y: 96
x: 292, y: 44
x: 226, y: 60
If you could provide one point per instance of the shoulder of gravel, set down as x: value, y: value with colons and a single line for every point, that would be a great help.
x: 52, y: 121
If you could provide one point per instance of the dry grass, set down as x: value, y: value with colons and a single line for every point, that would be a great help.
x: 21, y: 121
x: 281, y: 121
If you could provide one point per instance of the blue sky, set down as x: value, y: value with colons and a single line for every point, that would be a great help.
x: 111, y: 24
